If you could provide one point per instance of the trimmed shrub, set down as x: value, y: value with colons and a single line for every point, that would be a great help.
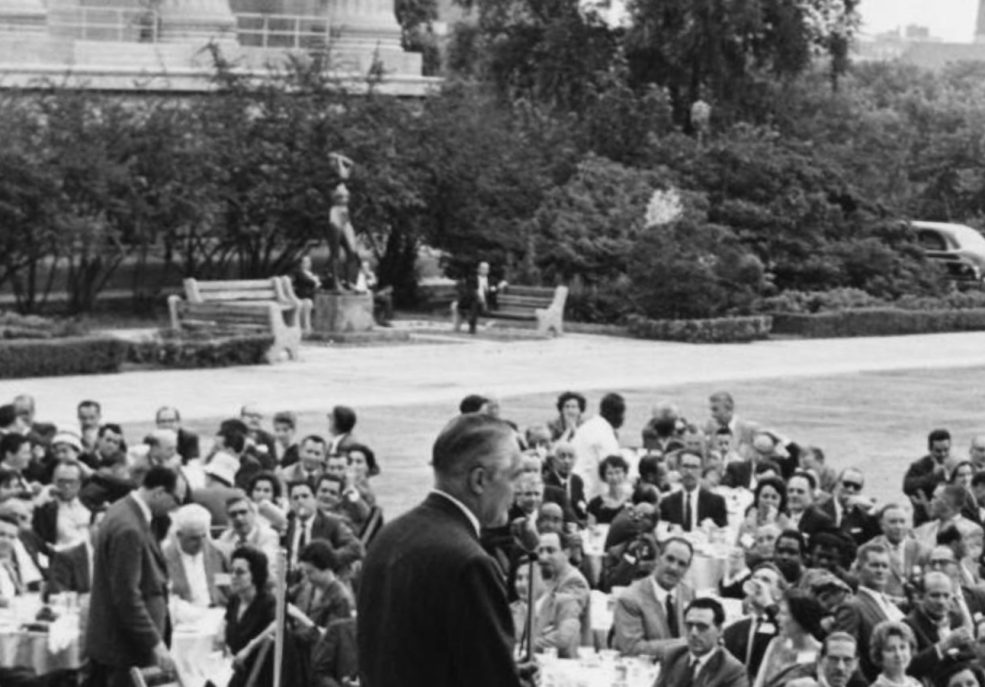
x: 721, y: 330
x: 63, y: 356
x: 878, y: 322
x: 15, y: 326
x: 202, y: 349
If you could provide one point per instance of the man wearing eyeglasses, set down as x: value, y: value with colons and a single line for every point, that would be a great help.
x: 850, y: 511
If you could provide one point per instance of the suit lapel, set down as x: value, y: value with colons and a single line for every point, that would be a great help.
x: 660, y: 611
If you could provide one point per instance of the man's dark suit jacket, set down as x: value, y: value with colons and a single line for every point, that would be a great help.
x: 710, y: 505
x: 858, y: 616
x: 332, y: 528
x: 70, y: 571
x: 575, y: 492
x: 722, y: 670
x: 129, y: 604
x: 926, y: 662
x: 39, y: 552
x: 188, y: 444
x: 334, y: 657
x: 432, y: 606
x: 45, y: 522
x: 856, y: 523
x: 735, y: 637
x: 921, y: 478
x: 813, y: 521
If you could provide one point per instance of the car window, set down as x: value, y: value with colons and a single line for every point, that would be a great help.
x: 931, y: 240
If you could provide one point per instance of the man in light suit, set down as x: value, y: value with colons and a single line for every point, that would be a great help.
x: 702, y: 663
x: 722, y: 408
x: 649, y: 616
x: 562, y: 609
x: 859, y: 614
x: 747, y: 638
x: 195, y: 565
x: 905, y: 552
x: 245, y: 529
x: 128, y: 611
x: 692, y: 505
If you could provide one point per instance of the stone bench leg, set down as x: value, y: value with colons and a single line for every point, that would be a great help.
x: 549, y: 321
x: 456, y: 317
x: 173, y: 305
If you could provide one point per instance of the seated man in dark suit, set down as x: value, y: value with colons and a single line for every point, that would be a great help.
x: 747, y: 638
x: 334, y: 659
x: 307, y: 523
x: 804, y: 515
x: 849, y: 510
x: 942, y: 639
x: 691, y: 506
x: 703, y: 662
x: 71, y: 568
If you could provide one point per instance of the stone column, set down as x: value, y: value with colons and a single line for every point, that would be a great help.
x: 366, y: 30
x: 23, y: 16
x: 196, y: 21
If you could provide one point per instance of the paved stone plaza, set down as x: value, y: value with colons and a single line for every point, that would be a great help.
x: 446, y: 370
x: 867, y: 402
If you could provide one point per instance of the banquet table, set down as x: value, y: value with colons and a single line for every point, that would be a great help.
x: 603, y: 669
x: 43, y: 651
x: 61, y: 647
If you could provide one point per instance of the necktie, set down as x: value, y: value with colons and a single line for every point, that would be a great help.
x: 303, y: 540
x: 675, y: 631
x: 692, y: 671
x: 687, y: 511
x: 752, y: 638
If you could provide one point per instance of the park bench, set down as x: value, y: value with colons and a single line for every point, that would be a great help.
x: 263, y: 305
x: 543, y: 305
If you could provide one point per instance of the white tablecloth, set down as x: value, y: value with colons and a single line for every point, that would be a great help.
x: 61, y: 648
x: 589, y: 670
x: 193, y: 646
x: 42, y: 652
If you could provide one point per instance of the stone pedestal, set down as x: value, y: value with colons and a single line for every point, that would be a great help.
x: 23, y: 16
x: 339, y: 313
x: 196, y: 21
x: 365, y: 31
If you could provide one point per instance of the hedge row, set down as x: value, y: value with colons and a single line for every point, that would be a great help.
x: 65, y: 356
x: 720, y: 330
x: 878, y: 322
x: 194, y: 352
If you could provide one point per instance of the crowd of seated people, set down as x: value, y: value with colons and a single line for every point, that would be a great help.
x: 826, y: 585
x: 242, y: 498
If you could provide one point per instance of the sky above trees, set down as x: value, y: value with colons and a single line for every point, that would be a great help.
x: 952, y: 20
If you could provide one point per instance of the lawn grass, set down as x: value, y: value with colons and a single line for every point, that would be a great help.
x: 877, y: 421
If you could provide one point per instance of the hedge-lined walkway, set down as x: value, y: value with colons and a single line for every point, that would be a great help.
x: 426, y: 373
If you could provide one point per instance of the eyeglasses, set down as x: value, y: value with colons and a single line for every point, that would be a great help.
x: 855, y: 486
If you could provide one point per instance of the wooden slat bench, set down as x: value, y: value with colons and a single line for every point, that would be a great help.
x: 267, y: 305
x: 544, y: 305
